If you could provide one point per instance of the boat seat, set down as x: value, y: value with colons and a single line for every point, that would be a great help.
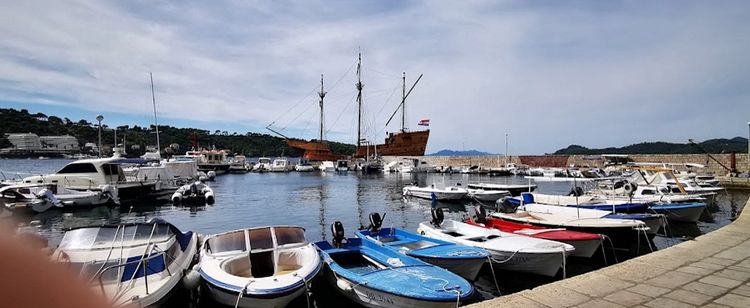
x: 239, y: 266
x: 397, y: 243
x: 289, y: 261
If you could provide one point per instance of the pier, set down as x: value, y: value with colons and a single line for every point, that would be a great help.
x: 711, y: 271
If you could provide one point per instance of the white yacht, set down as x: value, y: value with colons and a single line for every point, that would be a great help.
x: 263, y: 165
x: 327, y: 166
x: 280, y: 164
x: 93, y: 174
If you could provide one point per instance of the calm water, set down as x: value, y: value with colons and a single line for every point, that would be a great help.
x: 315, y: 200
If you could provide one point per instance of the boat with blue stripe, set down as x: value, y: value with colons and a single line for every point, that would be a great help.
x: 131, y: 264
x: 258, y: 267
x: 376, y: 276
x: 463, y: 260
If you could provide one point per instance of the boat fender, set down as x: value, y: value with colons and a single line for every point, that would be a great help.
x: 191, y: 279
x: 176, y: 198
x: 210, y: 199
x: 344, y: 285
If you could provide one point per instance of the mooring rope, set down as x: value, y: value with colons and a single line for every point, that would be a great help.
x: 494, y: 278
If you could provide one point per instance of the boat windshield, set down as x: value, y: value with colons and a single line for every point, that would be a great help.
x: 233, y: 241
x: 289, y: 235
x: 114, y: 236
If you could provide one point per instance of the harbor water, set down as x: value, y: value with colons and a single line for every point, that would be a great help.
x: 316, y: 200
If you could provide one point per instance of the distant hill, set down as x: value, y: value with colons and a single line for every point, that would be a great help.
x: 250, y: 144
x: 447, y: 152
x: 713, y: 146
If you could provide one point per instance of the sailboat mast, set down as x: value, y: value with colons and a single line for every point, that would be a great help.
x: 403, y: 104
x: 156, y: 123
x: 322, y: 94
x: 359, y: 100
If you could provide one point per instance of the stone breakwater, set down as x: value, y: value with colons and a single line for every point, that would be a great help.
x: 711, y: 271
x: 561, y: 161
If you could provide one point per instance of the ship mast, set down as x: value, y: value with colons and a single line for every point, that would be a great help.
x: 403, y: 104
x: 156, y: 123
x: 359, y: 86
x: 322, y: 94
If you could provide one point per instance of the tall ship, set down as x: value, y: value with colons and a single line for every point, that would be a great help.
x: 313, y: 150
x: 401, y: 143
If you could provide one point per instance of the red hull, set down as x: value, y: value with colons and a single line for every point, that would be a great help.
x: 314, y: 150
x: 398, y: 144
x: 559, y: 235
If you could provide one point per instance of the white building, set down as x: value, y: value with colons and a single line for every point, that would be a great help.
x: 27, y: 141
x: 63, y: 143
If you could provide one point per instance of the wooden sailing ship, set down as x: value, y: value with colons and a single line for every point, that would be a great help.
x: 401, y: 143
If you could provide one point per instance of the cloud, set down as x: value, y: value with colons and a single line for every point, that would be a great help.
x: 549, y: 73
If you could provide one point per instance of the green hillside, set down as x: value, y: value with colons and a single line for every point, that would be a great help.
x: 713, y: 146
x: 250, y: 144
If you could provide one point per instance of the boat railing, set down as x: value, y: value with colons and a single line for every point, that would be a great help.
x: 142, y: 264
x: 143, y: 261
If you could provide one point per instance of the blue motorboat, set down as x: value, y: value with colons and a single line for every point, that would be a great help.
x: 685, y: 212
x: 375, y: 276
x: 463, y: 260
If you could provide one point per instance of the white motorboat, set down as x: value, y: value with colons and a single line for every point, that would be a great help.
x: 238, y: 164
x: 342, y: 165
x: 263, y: 165
x: 280, y: 164
x: 391, y: 167
x: 304, y: 167
x: 447, y: 193
x: 327, y: 166
x: 508, y: 251
x: 623, y: 232
x: 514, y: 189
x: 197, y: 192
x: 258, y: 267
x: 135, y: 264
x: 487, y: 195
x: 41, y: 197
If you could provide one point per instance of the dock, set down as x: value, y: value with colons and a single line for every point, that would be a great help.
x: 713, y: 270
x: 734, y: 182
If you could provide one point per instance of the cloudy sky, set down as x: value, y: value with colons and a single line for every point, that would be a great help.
x: 549, y: 73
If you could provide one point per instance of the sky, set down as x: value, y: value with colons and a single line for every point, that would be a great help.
x: 547, y: 73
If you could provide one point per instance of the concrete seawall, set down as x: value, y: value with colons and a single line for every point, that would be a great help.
x: 494, y: 161
x: 711, y: 271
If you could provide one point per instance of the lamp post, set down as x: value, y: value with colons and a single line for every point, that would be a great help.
x: 99, y: 118
x: 748, y: 147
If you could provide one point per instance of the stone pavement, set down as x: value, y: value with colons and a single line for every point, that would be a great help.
x: 711, y: 271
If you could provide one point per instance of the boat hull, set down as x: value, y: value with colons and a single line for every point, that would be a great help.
x: 398, y: 144
x: 544, y: 264
x: 373, y: 298
x: 466, y: 268
x: 227, y: 297
x: 440, y: 195
x: 680, y: 212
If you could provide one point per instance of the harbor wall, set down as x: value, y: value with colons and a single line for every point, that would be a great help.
x: 561, y: 161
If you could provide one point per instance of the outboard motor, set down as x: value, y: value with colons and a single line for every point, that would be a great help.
x: 576, y: 191
x: 481, y: 214
x: 375, y: 222
x: 437, y: 216
x: 504, y: 205
x: 337, y: 232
